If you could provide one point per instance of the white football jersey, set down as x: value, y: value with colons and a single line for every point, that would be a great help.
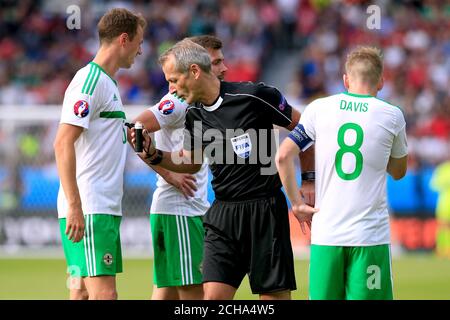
x: 170, y: 113
x: 354, y: 137
x: 92, y: 101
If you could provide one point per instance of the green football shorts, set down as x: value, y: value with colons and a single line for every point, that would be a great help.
x: 99, y: 252
x: 178, y: 249
x: 350, y: 273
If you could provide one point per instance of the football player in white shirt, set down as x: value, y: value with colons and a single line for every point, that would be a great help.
x: 358, y: 138
x: 90, y: 150
x: 180, y: 201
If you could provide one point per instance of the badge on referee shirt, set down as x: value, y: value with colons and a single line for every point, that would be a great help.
x: 242, y: 145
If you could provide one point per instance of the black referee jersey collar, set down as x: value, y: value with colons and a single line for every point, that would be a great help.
x: 216, y: 103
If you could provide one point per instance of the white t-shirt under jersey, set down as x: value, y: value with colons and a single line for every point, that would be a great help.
x: 170, y: 113
x: 92, y: 101
x: 354, y: 137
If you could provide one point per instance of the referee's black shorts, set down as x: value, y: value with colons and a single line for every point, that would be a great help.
x: 249, y: 237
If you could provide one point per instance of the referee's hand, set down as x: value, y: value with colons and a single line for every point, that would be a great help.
x: 75, y: 224
x: 304, y: 214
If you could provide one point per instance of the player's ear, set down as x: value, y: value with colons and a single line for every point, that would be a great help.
x: 380, y: 84
x: 346, y: 81
x: 123, y: 38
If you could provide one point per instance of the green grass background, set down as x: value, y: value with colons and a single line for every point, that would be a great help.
x: 419, y: 276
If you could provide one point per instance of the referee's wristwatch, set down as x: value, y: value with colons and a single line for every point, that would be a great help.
x: 309, y: 176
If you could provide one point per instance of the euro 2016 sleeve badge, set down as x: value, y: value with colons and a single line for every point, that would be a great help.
x: 81, y: 108
x: 166, y: 107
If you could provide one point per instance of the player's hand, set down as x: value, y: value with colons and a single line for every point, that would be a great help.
x: 75, y: 224
x: 308, y: 192
x: 184, y: 182
x: 304, y: 214
x: 148, y: 145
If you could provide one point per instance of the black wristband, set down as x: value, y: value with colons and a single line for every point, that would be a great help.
x: 158, y: 158
x: 309, y: 176
x: 148, y: 155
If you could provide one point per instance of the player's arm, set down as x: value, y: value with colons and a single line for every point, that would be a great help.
x: 182, y: 162
x: 306, y: 157
x: 66, y: 163
x: 188, y: 160
x: 307, y: 166
x: 398, y: 161
x: 397, y: 167
x: 182, y: 181
x: 285, y: 158
x: 284, y: 115
x: 295, y: 118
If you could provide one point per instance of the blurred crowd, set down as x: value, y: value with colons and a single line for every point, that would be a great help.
x: 415, y: 39
x: 39, y: 54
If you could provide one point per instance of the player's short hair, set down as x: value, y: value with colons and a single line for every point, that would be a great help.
x: 365, y: 64
x: 117, y: 21
x: 187, y: 53
x: 207, y: 42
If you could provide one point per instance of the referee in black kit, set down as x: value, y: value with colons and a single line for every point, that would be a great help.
x: 231, y: 124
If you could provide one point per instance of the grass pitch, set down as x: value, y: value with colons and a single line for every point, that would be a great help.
x: 419, y: 276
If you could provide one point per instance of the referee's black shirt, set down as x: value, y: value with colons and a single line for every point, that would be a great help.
x: 236, y: 163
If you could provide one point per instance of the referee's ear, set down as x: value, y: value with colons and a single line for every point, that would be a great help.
x: 195, y: 70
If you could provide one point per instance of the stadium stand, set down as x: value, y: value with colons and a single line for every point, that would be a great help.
x: 39, y: 55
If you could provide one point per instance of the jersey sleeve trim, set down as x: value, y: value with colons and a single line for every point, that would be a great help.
x: 399, y: 156
x: 103, y: 70
x: 91, y: 80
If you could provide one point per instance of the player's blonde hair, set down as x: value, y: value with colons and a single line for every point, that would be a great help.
x: 365, y: 64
